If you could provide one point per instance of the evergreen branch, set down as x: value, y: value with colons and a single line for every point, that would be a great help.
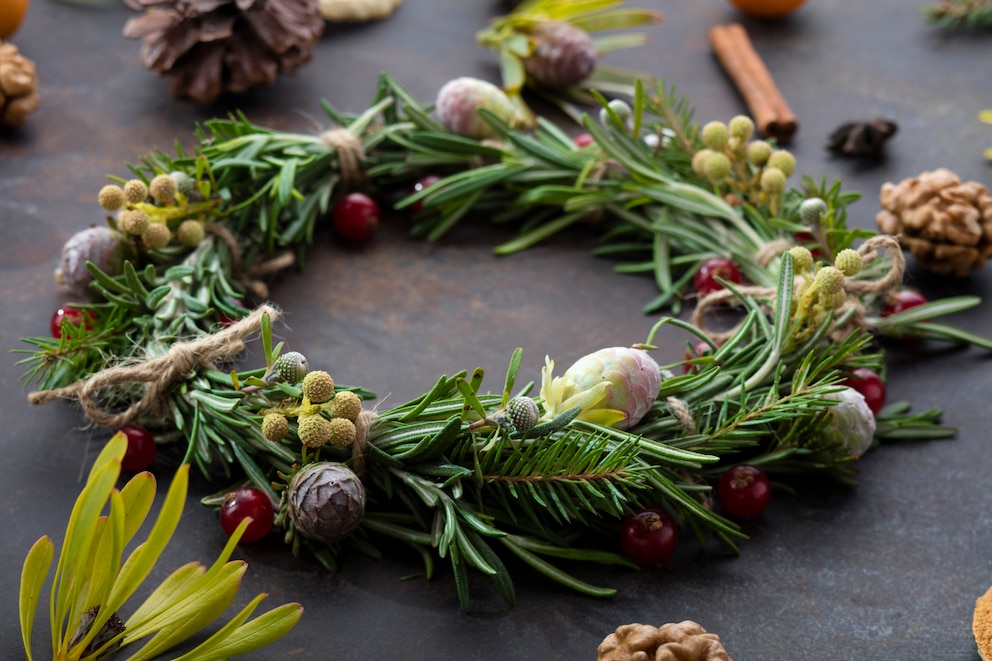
x: 955, y: 14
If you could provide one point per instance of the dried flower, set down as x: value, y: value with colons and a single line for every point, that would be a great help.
x: 99, y: 245
x: 326, y: 501
x: 852, y: 424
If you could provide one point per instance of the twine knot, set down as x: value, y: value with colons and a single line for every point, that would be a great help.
x: 351, y: 155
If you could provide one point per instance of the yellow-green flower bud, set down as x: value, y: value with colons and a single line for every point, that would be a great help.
x: 342, y: 432
x: 314, y: 430
x: 758, y: 152
x: 849, y: 262
x: 135, y: 191
x: 782, y: 160
x: 162, y: 188
x: 741, y: 127
x: 318, y: 386
x: 717, y: 166
x: 835, y: 300
x: 829, y: 280
x: 347, y: 405
x: 802, y: 258
x: 714, y: 135
x: 811, y: 210
x: 190, y: 232
x: 522, y: 413
x: 290, y: 367
x: 275, y: 426
x: 699, y: 161
x: 185, y: 184
x: 111, y: 197
x: 133, y: 221
x: 772, y: 181
x: 156, y: 236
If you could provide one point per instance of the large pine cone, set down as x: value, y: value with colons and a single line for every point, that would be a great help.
x: 208, y: 47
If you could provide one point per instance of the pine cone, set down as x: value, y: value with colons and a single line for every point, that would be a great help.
x: 208, y: 47
x: 18, y: 86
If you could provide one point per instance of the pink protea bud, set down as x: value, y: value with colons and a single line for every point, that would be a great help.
x: 100, y: 245
x: 563, y: 55
x: 459, y: 101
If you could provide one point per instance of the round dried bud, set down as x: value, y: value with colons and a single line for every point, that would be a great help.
x: 715, y: 135
x: 347, y: 405
x: 343, y: 432
x: 623, y: 111
x: 291, y: 367
x: 185, y: 184
x: 156, y: 236
x: 802, y: 258
x: 829, y: 280
x: 772, y: 181
x: 133, y: 221
x: 699, y: 161
x: 162, y: 188
x: 314, y: 430
x: 99, y: 245
x: 522, y: 413
x: 851, y: 422
x: 835, y: 300
x: 190, y: 233
x: 782, y: 160
x: 811, y: 210
x: 758, y: 152
x: 326, y: 501
x: 563, y: 55
x: 135, y: 191
x: 849, y: 262
x: 741, y: 127
x: 318, y: 386
x: 459, y: 101
x: 111, y: 197
x: 717, y: 166
x: 275, y: 426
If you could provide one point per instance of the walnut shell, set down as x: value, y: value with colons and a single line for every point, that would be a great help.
x: 944, y: 222
x: 18, y: 86
x: 682, y: 641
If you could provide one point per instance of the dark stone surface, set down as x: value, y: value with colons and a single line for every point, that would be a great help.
x: 888, y: 571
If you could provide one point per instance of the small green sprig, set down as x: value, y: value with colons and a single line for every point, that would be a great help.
x: 956, y: 14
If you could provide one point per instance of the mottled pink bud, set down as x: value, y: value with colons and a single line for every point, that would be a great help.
x: 563, y: 55
x: 633, y: 377
x: 459, y: 101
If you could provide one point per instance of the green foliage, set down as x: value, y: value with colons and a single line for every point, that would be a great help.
x: 956, y: 14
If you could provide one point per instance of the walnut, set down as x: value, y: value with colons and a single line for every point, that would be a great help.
x: 945, y: 223
x: 18, y: 86
x: 684, y: 641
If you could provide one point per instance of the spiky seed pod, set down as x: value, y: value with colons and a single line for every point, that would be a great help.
x: 717, y: 166
x: 522, y: 413
x: 741, y: 127
x: 185, y: 184
x: 849, y: 262
x: 162, y: 188
x: 802, y: 258
x: 343, y: 432
x: 782, y: 160
x: 190, y: 233
x: 758, y: 152
x: 851, y: 422
x: 135, y: 191
x: 829, y: 280
x: 325, y: 501
x: 133, y: 221
x: 275, y: 426
x: 347, y: 405
x: 100, y: 245
x: 318, y: 386
x: 622, y: 110
x: 772, y: 181
x: 634, y: 380
x: 699, y: 161
x: 715, y: 135
x: 314, y: 430
x: 459, y: 101
x: 291, y: 367
x: 563, y: 55
x: 811, y: 210
x: 156, y: 236
x: 111, y: 197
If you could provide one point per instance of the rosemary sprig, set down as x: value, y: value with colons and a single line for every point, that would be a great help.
x: 955, y: 14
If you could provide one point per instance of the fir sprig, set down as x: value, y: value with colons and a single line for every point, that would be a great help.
x: 955, y: 14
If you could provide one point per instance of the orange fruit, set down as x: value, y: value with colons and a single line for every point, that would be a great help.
x: 11, y: 14
x: 765, y: 8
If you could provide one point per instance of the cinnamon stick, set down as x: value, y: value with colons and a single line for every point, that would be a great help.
x: 772, y: 115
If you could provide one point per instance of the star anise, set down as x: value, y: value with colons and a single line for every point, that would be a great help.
x: 862, y: 138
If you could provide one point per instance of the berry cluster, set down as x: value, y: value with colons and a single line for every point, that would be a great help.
x: 752, y: 171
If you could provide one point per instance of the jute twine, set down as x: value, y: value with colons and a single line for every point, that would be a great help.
x: 362, y: 425
x: 869, y: 251
x: 680, y: 410
x: 251, y: 279
x: 157, y: 375
x: 351, y: 156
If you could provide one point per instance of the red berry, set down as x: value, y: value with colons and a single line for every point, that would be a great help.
x: 424, y: 182
x: 649, y: 537
x: 744, y: 491
x: 704, y: 279
x: 870, y: 385
x: 247, y: 502
x: 140, y: 449
x: 901, y: 300
x: 356, y: 216
x: 700, y: 348
x: 583, y: 140
x: 66, y: 314
x: 225, y: 320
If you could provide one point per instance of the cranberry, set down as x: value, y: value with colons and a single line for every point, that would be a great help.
x: 583, y: 140
x: 700, y: 348
x: 246, y: 502
x: 744, y: 491
x: 423, y: 183
x: 225, y: 320
x: 66, y: 314
x: 901, y: 300
x: 140, y: 449
x: 649, y: 537
x: 356, y: 216
x: 870, y: 385
x: 704, y: 279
